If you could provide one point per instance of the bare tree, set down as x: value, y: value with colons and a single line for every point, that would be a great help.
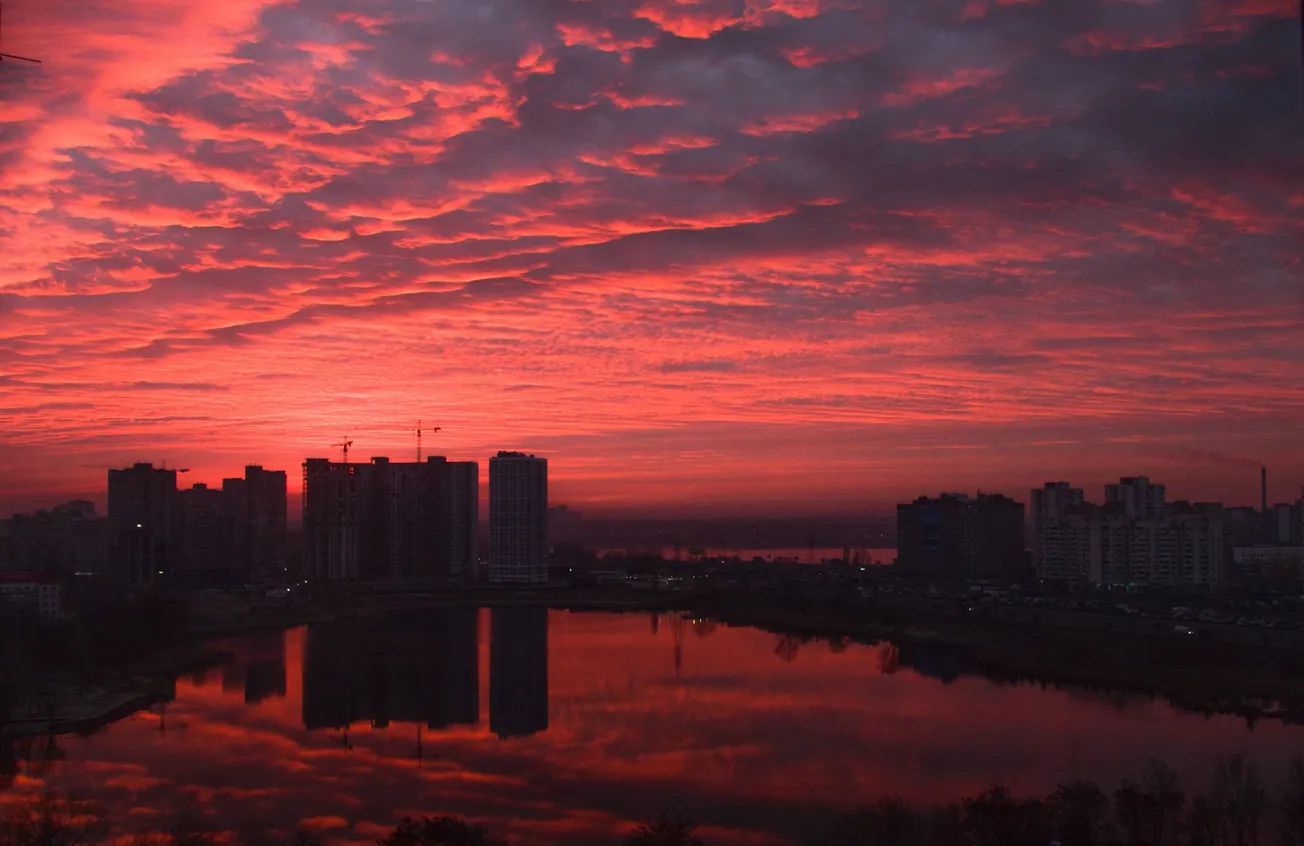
x: 1291, y: 803
x: 1077, y: 810
x: 1239, y: 800
x: 1164, y: 801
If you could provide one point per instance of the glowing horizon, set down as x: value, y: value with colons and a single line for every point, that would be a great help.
x: 707, y: 256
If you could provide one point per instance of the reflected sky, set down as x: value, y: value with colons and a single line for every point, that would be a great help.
x: 572, y: 726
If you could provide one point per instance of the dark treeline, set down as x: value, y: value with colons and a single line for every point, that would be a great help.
x: 1238, y: 808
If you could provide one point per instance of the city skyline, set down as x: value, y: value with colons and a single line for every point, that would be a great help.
x: 1246, y: 482
x: 738, y: 256
x: 1270, y: 490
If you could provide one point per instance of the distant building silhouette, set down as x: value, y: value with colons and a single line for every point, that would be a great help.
x: 518, y: 519
x: 518, y: 671
x: 1138, y: 497
x: 255, y: 511
x: 67, y: 540
x: 204, y: 558
x: 464, y: 516
x: 235, y: 535
x: 143, y: 526
x: 955, y: 536
x: 388, y: 520
x: 199, y: 536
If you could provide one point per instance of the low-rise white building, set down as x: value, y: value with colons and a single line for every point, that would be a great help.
x: 42, y: 592
x: 1268, y: 561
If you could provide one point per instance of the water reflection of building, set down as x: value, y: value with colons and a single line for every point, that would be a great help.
x: 518, y: 671
x: 257, y: 667
x: 422, y: 668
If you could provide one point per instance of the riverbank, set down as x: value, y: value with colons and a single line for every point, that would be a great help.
x: 1206, y: 674
x: 67, y: 706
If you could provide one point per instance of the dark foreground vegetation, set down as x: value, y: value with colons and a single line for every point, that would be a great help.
x: 1238, y: 809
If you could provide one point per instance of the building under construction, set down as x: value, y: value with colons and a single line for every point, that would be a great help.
x: 388, y: 520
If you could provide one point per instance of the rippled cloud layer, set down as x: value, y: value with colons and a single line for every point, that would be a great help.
x: 757, y: 247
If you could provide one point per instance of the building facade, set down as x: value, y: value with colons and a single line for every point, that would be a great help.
x: 39, y: 593
x: 518, y: 519
x: 143, y: 526
x: 387, y: 520
x: 464, y: 517
x: 1051, y: 530
x: 66, y: 541
x: 1138, y: 496
x: 333, y: 498
x: 955, y: 536
x: 1136, y: 539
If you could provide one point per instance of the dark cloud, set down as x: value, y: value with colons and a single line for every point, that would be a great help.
x: 900, y: 209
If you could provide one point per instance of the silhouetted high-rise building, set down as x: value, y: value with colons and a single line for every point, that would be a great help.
x: 959, y: 537
x: 518, y: 519
x: 384, y: 519
x: 232, y: 536
x: 518, y: 671
x: 334, y: 495
x: 464, y: 516
x: 204, y: 558
x: 263, y: 522
x: 142, y: 522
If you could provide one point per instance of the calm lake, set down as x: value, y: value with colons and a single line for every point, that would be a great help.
x: 555, y: 727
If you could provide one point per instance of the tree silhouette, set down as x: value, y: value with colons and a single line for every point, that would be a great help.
x: 1239, y: 800
x: 838, y: 643
x: 664, y: 832
x: 438, y: 831
x: 1077, y: 810
x: 787, y: 647
x: 887, y: 822
x: 1291, y: 804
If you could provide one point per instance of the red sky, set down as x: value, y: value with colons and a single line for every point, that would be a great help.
x: 706, y: 255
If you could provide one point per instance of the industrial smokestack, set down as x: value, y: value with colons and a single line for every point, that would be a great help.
x: 1263, y: 489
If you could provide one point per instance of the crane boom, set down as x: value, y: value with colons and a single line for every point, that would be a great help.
x: 4, y: 56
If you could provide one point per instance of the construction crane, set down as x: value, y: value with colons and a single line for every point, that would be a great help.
x: 432, y: 431
x: 4, y: 56
x: 344, y: 445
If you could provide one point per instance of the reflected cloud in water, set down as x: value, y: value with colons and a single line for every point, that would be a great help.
x: 558, y: 727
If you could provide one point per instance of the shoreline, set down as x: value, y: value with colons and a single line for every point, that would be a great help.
x: 139, y: 688
x: 1000, y: 648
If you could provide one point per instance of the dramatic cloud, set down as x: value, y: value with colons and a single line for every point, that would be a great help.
x: 716, y: 254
